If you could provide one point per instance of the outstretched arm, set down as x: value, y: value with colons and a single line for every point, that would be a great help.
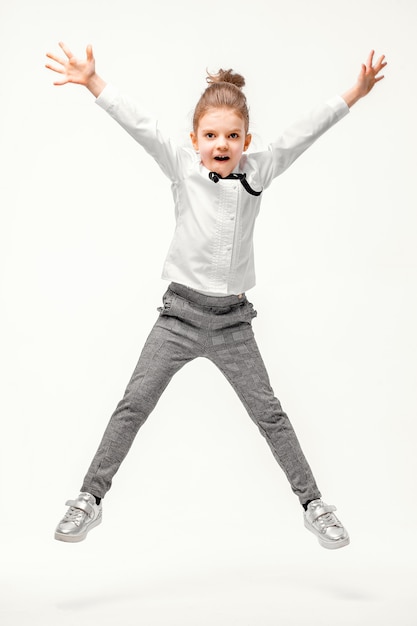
x: 78, y: 71
x: 367, y: 78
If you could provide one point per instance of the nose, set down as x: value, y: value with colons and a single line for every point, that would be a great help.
x: 222, y: 143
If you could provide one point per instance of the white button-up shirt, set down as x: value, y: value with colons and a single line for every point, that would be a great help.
x: 212, y: 246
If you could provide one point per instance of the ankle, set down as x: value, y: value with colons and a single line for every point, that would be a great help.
x: 305, y: 505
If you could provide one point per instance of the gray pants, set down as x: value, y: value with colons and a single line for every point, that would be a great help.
x: 193, y: 325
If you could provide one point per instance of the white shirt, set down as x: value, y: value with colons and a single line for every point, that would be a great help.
x: 212, y: 246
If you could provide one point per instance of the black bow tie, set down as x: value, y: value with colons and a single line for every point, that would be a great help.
x: 215, y: 177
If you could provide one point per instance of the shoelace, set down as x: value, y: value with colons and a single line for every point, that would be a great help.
x: 327, y: 520
x: 74, y: 515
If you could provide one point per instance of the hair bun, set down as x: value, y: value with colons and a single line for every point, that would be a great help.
x: 224, y: 91
x: 226, y: 76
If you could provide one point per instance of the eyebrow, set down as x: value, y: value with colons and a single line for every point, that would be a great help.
x: 211, y: 130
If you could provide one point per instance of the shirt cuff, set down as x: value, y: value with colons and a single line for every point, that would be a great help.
x: 107, y: 96
x: 339, y: 106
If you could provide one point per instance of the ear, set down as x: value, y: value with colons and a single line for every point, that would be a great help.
x: 194, y: 141
x: 248, y: 139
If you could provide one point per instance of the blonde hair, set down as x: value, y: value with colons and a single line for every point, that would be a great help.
x: 224, y: 90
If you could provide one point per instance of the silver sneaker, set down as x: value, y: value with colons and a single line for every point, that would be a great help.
x: 83, y: 515
x: 321, y: 520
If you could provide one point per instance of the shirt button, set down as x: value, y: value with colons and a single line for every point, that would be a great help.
x: 232, y: 217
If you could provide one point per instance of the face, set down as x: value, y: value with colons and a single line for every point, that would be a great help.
x: 221, y: 140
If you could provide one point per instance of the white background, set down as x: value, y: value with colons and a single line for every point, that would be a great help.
x: 201, y: 527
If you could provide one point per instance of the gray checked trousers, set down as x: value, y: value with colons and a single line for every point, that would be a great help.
x: 192, y: 325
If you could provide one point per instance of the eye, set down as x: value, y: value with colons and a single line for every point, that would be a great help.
x: 209, y: 135
x: 234, y: 135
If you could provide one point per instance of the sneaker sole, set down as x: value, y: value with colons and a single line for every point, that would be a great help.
x: 329, y: 545
x: 77, y: 538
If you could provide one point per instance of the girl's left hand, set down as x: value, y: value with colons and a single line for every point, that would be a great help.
x: 369, y: 74
x: 366, y: 80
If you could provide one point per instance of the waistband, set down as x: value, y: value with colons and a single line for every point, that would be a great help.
x: 203, y: 300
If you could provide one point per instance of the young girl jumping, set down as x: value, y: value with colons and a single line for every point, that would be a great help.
x: 217, y: 191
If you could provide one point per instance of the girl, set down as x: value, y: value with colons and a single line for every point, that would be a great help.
x: 217, y: 191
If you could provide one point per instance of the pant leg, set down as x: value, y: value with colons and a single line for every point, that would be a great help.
x: 164, y: 353
x: 237, y: 356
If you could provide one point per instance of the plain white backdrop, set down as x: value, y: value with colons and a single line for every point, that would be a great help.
x: 201, y: 527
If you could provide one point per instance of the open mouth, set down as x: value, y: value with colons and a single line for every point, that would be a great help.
x: 221, y: 158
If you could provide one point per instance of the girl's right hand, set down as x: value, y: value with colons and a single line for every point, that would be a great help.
x: 78, y: 71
